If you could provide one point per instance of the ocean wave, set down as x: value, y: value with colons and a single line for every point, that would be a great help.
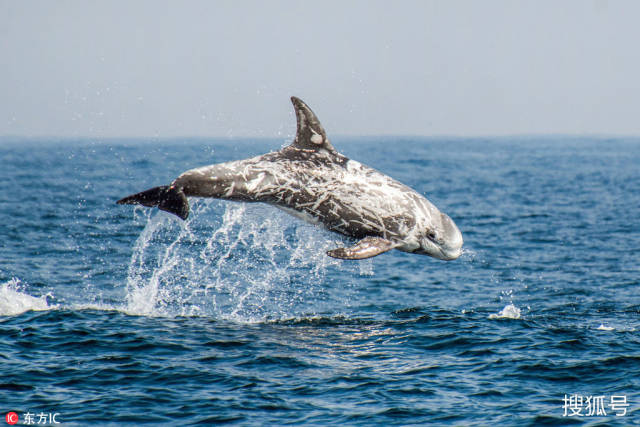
x: 509, y: 311
x: 15, y: 300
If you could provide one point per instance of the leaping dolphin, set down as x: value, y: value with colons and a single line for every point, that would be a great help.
x: 311, y: 180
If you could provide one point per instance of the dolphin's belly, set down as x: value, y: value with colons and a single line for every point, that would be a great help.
x: 355, y: 200
x: 364, y: 214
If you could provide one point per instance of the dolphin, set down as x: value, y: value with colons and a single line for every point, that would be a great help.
x: 311, y: 180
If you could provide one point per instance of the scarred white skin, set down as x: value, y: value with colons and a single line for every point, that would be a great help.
x: 310, y: 180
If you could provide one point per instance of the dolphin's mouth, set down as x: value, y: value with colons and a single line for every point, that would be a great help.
x: 442, y: 252
x: 450, y: 255
x: 450, y: 244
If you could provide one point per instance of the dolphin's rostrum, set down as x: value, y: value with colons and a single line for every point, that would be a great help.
x: 311, y: 180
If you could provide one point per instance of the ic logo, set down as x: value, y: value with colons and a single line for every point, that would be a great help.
x: 12, y: 418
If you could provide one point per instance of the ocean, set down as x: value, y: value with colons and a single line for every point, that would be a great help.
x: 115, y: 315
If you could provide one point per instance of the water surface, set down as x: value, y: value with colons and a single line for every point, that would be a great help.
x: 114, y: 315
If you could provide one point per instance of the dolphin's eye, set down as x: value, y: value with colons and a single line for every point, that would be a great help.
x: 431, y: 235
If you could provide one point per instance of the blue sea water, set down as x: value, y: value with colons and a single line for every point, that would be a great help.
x: 113, y: 315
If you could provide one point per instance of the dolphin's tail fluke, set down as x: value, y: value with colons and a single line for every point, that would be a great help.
x: 166, y: 198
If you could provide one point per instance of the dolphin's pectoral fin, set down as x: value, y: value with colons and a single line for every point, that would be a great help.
x: 166, y: 198
x: 365, y: 248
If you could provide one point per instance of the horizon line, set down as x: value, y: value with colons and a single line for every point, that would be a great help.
x: 34, y: 138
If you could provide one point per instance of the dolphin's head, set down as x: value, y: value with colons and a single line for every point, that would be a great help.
x: 442, y: 240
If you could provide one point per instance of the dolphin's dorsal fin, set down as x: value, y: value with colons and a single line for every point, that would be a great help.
x: 310, y: 134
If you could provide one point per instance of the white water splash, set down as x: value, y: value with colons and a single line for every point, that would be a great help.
x: 14, y: 300
x: 252, y: 263
x: 509, y: 311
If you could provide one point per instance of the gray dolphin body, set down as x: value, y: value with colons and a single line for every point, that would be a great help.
x: 311, y: 180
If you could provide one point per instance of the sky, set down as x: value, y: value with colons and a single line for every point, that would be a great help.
x: 227, y: 68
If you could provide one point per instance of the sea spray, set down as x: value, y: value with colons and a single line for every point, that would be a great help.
x: 14, y: 299
x: 243, y: 262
